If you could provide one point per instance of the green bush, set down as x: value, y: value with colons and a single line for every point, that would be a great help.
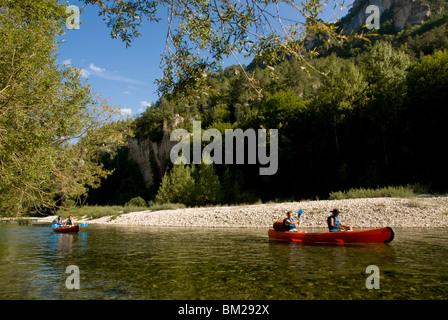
x: 166, y: 206
x: 189, y: 185
x: 92, y: 212
x: 136, y: 202
x: 408, y: 191
x: 24, y: 222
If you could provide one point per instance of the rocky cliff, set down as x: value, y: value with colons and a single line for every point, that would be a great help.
x: 152, y: 156
x: 402, y: 11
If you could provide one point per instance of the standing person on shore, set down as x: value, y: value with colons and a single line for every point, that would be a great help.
x: 335, y: 224
x: 289, y: 224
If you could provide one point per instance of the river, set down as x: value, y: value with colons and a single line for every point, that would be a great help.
x: 122, y: 262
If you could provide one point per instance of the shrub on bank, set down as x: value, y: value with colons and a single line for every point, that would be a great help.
x: 408, y: 191
x: 136, y: 202
x: 165, y: 206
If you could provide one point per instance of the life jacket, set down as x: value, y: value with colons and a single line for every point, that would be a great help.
x: 336, y: 222
x: 69, y: 222
x: 290, y: 226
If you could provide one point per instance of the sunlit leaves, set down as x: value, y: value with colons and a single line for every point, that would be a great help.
x: 52, y: 127
x: 202, y: 33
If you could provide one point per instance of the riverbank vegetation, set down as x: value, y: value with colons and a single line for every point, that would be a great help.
x: 409, y: 191
x: 358, y: 117
x: 53, y: 127
x: 374, y: 121
x: 134, y: 205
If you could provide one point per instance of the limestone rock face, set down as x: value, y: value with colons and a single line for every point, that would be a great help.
x: 152, y: 156
x: 411, y: 11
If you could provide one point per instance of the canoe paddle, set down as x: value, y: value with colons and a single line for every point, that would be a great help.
x: 54, y: 224
x: 299, y: 213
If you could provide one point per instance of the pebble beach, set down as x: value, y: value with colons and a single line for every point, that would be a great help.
x: 420, y: 212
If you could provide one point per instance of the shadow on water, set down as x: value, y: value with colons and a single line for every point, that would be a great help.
x: 118, y: 262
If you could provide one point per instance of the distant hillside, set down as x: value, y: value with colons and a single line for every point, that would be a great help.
x: 376, y: 118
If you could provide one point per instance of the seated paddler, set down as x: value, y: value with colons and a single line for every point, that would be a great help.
x: 59, y: 223
x: 289, y: 224
x: 334, y: 222
x: 69, y: 222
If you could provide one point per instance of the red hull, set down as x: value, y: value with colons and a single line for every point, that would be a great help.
x: 379, y: 235
x: 66, y: 229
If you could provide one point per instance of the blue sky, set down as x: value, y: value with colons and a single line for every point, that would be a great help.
x: 125, y: 76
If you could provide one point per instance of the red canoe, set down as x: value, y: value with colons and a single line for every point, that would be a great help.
x: 379, y: 235
x: 66, y: 229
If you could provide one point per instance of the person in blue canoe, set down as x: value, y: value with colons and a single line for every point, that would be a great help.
x: 289, y: 224
x: 335, y: 224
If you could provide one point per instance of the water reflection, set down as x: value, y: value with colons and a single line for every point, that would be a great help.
x: 187, y: 263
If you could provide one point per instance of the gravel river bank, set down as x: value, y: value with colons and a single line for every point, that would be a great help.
x: 424, y: 212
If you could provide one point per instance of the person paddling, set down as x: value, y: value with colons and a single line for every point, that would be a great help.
x: 289, y: 224
x: 335, y: 224
x: 59, y: 223
x: 69, y: 221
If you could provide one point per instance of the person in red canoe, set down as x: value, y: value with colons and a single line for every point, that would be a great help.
x: 289, y: 224
x: 69, y: 222
x: 335, y: 224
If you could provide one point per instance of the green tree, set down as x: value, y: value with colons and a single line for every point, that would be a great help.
x: 275, y: 111
x: 384, y: 69
x: 231, y: 187
x: 190, y: 185
x: 207, y: 187
x: 53, y: 128
x: 341, y: 92
x: 427, y: 115
x: 219, y: 29
x: 177, y: 186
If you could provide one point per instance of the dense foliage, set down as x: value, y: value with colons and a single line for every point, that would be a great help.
x: 377, y: 118
x: 201, y: 34
x: 53, y: 128
x: 360, y: 114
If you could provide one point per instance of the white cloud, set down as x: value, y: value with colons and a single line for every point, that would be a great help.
x: 145, y: 103
x: 67, y: 61
x: 102, y: 73
x: 95, y: 68
x: 120, y: 78
x: 127, y: 111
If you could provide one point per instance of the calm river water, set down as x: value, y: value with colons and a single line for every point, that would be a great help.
x: 118, y: 262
